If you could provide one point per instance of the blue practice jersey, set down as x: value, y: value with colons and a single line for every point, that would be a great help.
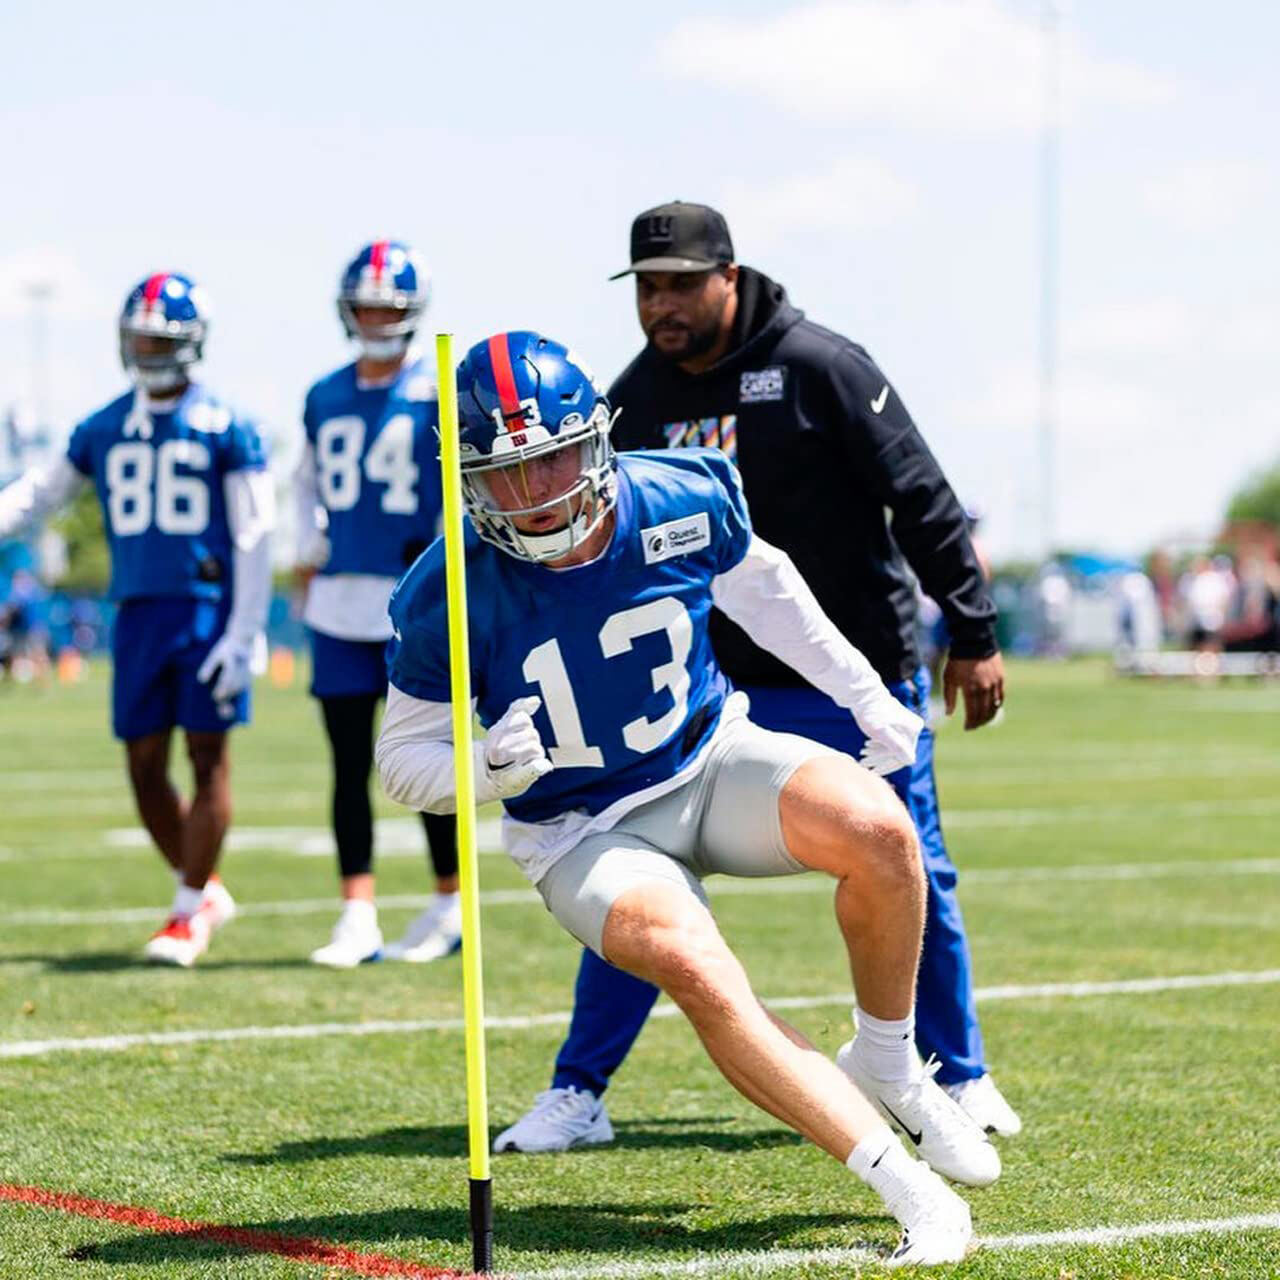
x: 159, y: 477
x: 617, y: 649
x: 377, y: 468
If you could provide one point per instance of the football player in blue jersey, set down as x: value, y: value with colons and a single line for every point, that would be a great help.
x: 188, y: 508
x: 629, y: 769
x: 368, y: 501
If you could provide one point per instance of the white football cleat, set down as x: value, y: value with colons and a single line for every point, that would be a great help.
x: 559, y: 1119
x: 434, y: 934
x: 947, y: 1139
x: 219, y: 905
x: 936, y: 1225
x: 986, y: 1105
x: 356, y: 939
x: 180, y: 941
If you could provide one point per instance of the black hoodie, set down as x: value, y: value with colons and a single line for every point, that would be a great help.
x: 826, y: 448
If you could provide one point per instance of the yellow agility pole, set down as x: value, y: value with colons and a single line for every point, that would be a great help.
x: 464, y: 772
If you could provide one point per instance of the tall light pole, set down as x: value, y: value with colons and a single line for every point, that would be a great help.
x: 1050, y: 163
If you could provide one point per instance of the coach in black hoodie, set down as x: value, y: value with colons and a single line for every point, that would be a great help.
x: 837, y: 475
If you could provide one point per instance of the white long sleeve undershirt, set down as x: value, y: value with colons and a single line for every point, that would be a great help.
x: 766, y: 596
x: 251, y: 515
x: 36, y: 494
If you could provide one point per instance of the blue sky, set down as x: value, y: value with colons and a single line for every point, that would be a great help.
x: 879, y: 157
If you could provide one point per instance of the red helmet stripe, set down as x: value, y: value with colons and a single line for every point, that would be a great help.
x: 378, y: 258
x: 504, y: 375
x: 151, y: 290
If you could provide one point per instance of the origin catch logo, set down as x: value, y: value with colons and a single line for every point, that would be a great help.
x: 676, y: 538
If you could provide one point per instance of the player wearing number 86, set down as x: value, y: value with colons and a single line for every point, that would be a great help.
x: 628, y: 767
x: 188, y: 507
x: 368, y: 501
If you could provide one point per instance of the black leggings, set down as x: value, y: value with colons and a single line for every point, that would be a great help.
x: 348, y: 721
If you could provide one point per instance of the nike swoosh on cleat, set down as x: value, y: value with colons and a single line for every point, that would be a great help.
x: 915, y: 1137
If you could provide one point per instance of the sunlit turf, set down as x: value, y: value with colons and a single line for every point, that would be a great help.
x: 1139, y: 1108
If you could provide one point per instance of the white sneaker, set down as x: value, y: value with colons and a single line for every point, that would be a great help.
x: 987, y: 1105
x: 936, y: 1226
x: 436, y: 933
x: 356, y: 939
x: 944, y: 1135
x: 180, y: 941
x: 559, y: 1119
x: 219, y: 905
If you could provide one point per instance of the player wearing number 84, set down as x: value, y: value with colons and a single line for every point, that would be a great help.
x: 629, y: 769
x: 367, y: 491
x: 188, y: 507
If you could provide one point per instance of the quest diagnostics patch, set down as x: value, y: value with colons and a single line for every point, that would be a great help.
x: 676, y: 538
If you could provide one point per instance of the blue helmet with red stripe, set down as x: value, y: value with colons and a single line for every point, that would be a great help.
x: 539, y: 474
x: 170, y: 312
x: 389, y: 275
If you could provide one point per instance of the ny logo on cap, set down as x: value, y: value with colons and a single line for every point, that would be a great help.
x: 659, y: 227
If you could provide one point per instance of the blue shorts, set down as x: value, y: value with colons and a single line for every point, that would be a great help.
x: 157, y: 646
x: 345, y: 668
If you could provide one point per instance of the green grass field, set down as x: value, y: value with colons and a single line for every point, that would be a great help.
x: 1109, y: 832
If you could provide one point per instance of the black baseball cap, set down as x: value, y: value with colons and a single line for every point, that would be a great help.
x: 678, y: 237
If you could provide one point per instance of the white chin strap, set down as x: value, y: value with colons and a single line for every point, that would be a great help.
x: 551, y: 546
x: 383, y: 348
x: 158, y: 379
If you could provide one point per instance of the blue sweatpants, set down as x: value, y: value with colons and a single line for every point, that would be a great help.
x: 610, y: 1006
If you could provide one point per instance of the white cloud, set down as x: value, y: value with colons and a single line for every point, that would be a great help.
x: 854, y: 194
x: 1149, y: 326
x: 1206, y: 196
x: 954, y: 65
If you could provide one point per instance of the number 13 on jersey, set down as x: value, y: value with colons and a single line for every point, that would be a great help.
x: 545, y: 667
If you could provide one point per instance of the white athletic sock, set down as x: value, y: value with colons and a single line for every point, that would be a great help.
x: 449, y: 899
x: 886, y: 1046
x: 360, y: 911
x: 881, y: 1161
x: 186, y: 902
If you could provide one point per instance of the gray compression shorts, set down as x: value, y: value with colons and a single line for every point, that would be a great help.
x: 724, y: 821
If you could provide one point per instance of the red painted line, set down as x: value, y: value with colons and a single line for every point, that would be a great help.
x: 504, y: 376
x: 318, y: 1253
x: 151, y: 290
x: 378, y: 259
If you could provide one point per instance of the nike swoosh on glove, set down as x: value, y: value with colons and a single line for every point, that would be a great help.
x: 229, y: 660
x: 892, y: 733
x: 514, y: 757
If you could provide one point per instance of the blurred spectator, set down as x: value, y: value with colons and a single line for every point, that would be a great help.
x: 1138, y: 614
x: 1053, y: 599
x: 1253, y: 618
x: 1206, y: 590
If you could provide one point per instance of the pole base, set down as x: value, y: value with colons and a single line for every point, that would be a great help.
x: 482, y: 1225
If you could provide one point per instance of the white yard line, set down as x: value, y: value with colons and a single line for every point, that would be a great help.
x: 402, y: 837
x: 716, y: 887
x: 765, y: 1262
x: 522, y: 1022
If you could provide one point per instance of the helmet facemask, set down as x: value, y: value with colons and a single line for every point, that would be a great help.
x: 170, y: 367
x: 572, y: 475
x: 385, y: 341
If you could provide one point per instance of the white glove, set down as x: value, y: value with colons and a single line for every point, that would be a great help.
x: 892, y: 733
x: 514, y: 757
x: 231, y: 661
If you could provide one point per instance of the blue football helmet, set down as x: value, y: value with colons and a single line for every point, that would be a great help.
x: 169, y: 306
x: 522, y: 400
x: 385, y: 273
